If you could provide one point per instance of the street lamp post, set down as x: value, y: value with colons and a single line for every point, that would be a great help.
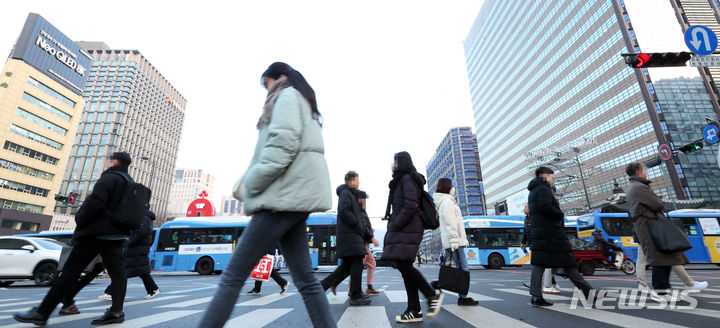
x: 152, y: 172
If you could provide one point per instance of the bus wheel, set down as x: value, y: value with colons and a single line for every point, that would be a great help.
x: 496, y: 261
x: 204, y: 266
x: 587, y: 268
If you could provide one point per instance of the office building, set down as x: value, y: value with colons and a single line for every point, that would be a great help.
x: 686, y: 103
x: 130, y: 107
x: 186, y: 187
x: 41, y: 103
x: 457, y: 159
x: 559, y: 92
x: 231, y: 207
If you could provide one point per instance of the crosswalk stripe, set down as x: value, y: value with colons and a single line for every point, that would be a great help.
x: 258, y: 318
x: 477, y: 314
x: 154, y: 319
x: 10, y: 299
x: 3, y: 317
x: 265, y: 300
x: 396, y: 296
x: 76, y: 303
x: 336, y: 299
x: 157, y: 299
x: 705, y: 295
x: 526, y: 293
x: 191, y: 290
x: 366, y: 316
x: 628, y: 321
x: 20, y: 303
x: 475, y: 296
x: 187, y: 303
x: 57, y: 320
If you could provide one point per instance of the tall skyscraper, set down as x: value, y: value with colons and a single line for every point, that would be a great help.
x: 186, y: 187
x: 686, y: 104
x: 457, y: 159
x: 549, y: 85
x: 130, y: 107
x: 40, y: 107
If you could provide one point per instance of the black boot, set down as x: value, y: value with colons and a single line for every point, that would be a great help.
x: 110, y: 317
x: 32, y: 316
x: 539, y: 301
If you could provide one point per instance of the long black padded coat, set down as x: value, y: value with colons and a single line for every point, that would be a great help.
x: 549, y: 244
x: 405, y: 228
x: 350, y: 225
x: 138, y: 248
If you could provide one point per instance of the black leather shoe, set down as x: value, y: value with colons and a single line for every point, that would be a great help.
x: 32, y: 316
x: 360, y: 301
x: 538, y: 301
x: 109, y: 317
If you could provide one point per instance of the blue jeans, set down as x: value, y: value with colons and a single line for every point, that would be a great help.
x: 458, y: 256
x: 263, y: 231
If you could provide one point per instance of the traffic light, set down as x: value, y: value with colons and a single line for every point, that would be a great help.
x: 69, y: 199
x: 657, y: 59
x: 691, y: 147
x: 61, y: 198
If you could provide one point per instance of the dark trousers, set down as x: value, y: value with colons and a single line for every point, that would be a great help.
x: 69, y: 298
x: 350, y: 266
x: 661, y: 278
x: 572, y: 273
x: 148, y: 282
x: 81, y: 255
x: 275, y: 275
x: 414, y: 281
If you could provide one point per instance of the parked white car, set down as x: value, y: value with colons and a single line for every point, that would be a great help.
x: 28, y: 258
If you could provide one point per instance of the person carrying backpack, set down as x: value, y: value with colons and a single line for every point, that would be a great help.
x: 96, y: 233
x: 404, y: 233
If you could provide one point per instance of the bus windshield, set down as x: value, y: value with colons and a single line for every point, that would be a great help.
x: 586, y: 222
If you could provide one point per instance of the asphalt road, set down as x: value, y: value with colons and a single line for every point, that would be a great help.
x: 504, y: 302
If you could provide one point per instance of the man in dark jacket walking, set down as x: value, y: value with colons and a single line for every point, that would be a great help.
x: 549, y: 244
x: 137, y: 263
x: 645, y: 208
x: 94, y: 234
x: 350, y: 241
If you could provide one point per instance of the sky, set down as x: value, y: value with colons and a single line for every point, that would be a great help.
x: 389, y: 75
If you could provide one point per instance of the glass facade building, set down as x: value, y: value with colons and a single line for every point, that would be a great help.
x: 686, y: 104
x: 130, y: 107
x: 186, y: 187
x: 547, y: 73
x: 457, y: 159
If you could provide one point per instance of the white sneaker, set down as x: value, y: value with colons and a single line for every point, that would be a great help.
x: 105, y: 297
x: 153, y: 294
x: 556, y: 288
x: 641, y: 288
x: 698, y: 285
x: 550, y: 290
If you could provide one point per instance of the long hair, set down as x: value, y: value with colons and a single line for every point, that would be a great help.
x: 296, y: 80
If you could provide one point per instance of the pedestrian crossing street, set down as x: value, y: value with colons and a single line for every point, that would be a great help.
x: 500, y: 306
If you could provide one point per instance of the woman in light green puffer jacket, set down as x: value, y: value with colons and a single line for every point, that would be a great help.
x: 286, y: 181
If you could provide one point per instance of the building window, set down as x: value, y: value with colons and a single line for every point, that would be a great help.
x: 35, y: 137
x: 48, y: 108
x: 23, y: 188
x: 30, y: 153
x: 26, y: 170
x: 51, y: 92
x: 40, y: 121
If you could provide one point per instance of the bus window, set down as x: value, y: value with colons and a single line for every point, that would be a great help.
x: 710, y: 226
x: 171, y: 238
x: 586, y: 222
x: 690, y: 226
x: 486, y: 238
x: 617, y: 226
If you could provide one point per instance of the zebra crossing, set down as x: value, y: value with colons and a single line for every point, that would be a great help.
x: 185, y: 310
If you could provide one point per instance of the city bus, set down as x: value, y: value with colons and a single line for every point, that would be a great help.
x: 205, y: 244
x: 701, y: 226
x: 495, y: 240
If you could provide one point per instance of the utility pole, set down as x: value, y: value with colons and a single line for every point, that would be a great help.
x: 582, y: 178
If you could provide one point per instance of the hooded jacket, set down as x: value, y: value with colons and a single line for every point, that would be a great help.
x: 94, y: 216
x: 405, y: 228
x: 350, y: 225
x: 452, y: 230
x: 549, y: 244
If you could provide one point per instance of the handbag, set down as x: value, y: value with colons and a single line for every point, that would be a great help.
x: 668, y: 236
x: 453, y: 279
x: 263, y: 268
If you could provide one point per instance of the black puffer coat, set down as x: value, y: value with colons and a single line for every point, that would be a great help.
x: 549, y: 244
x: 350, y: 227
x: 93, y: 217
x: 405, y: 228
x: 138, y: 248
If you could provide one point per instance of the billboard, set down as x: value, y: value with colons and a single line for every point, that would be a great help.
x: 45, y: 48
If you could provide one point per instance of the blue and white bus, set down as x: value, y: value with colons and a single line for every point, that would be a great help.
x: 205, y: 244
x: 495, y: 240
x: 701, y: 226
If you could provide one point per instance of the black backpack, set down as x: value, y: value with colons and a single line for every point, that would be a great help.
x: 427, y: 211
x: 130, y: 210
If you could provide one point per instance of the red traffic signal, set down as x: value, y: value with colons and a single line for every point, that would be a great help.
x: 657, y: 59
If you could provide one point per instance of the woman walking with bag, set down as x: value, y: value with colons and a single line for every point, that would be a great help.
x: 287, y: 179
x: 452, y: 231
x: 403, y: 237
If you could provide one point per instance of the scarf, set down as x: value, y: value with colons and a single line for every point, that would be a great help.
x: 272, y: 96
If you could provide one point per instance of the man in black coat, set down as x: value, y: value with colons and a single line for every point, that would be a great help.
x: 137, y: 263
x: 94, y: 234
x: 350, y: 240
x: 549, y: 244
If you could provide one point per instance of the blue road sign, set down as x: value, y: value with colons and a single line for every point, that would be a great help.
x: 711, y: 134
x: 701, y: 40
